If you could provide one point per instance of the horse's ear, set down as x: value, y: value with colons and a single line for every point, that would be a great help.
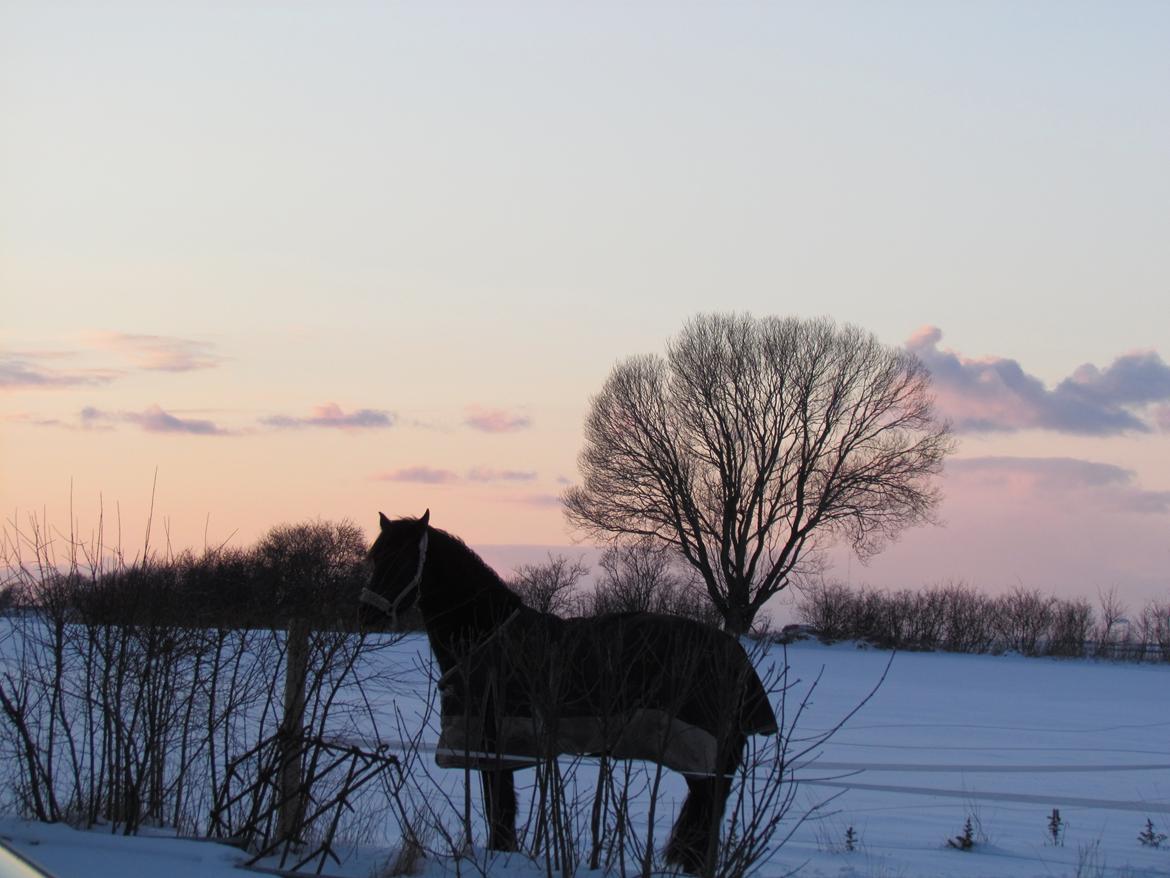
x: 383, y: 521
x: 426, y: 517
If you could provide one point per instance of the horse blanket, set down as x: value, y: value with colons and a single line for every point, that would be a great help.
x: 632, y: 685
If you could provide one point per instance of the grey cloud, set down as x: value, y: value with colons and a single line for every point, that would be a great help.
x: 1132, y: 379
x: 90, y: 416
x: 331, y: 415
x: 20, y: 373
x: 997, y: 394
x: 478, y: 474
x: 153, y: 419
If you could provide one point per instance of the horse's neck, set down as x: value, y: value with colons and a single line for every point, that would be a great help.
x: 461, y: 608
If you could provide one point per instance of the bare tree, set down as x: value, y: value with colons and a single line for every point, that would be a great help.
x: 550, y: 587
x: 753, y: 444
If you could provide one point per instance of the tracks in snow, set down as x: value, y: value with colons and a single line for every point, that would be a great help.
x: 1145, y: 807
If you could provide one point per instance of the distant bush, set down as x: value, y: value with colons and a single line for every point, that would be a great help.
x: 313, y: 570
x: 957, y: 618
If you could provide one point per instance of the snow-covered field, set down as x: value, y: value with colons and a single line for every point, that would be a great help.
x: 1002, y: 740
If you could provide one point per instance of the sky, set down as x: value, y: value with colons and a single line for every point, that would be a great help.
x: 305, y: 260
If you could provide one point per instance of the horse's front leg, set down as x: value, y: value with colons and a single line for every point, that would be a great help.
x: 499, y: 804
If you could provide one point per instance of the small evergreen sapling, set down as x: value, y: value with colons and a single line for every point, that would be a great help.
x: 966, y: 840
x: 850, y: 839
x: 1056, y: 828
x: 1150, y: 837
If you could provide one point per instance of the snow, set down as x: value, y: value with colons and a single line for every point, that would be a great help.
x: 1002, y: 739
x: 999, y: 739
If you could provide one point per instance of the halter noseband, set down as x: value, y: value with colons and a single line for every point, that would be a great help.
x: 391, y: 608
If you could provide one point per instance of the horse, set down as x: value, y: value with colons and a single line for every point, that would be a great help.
x: 518, y: 686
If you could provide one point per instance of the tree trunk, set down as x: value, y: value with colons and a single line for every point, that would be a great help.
x: 737, y: 620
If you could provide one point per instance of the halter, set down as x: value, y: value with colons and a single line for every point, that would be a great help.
x: 391, y: 609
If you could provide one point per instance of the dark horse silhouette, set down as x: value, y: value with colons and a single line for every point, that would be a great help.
x: 518, y: 686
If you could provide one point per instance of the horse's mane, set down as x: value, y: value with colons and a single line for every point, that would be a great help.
x: 458, y: 554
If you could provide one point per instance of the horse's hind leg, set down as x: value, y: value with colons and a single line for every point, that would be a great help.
x: 693, y: 842
x: 688, y: 841
x: 499, y: 804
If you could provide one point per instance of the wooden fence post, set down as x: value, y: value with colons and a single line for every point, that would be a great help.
x: 292, y: 730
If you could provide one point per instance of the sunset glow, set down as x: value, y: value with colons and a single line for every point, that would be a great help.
x: 324, y: 261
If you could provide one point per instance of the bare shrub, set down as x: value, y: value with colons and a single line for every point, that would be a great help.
x: 130, y: 690
x: 957, y: 618
x: 1155, y: 627
x: 1024, y: 619
x: 408, y: 858
x: 642, y: 576
x: 923, y: 617
x: 1112, y: 628
x: 1071, y: 627
x: 312, y: 570
x: 550, y: 587
x: 828, y: 607
x: 1090, y: 860
x: 970, y: 620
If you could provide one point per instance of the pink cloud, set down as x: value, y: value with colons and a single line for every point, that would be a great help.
x: 495, y: 420
x: 420, y: 474
x: 477, y: 474
x: 160, y: 353
x: 1066, y: 525
x: 543, y: 500
x: 1072, y: 481
x: 34, y: 420
x: 486, y: 474
x: 996, y: 394
x: 1162, y: 417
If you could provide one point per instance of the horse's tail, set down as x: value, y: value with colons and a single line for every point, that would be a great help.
x: 757, y: 716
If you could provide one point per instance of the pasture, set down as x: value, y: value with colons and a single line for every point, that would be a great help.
x: 998, y: 740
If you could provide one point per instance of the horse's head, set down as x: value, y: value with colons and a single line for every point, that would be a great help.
x: 398, y: 556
